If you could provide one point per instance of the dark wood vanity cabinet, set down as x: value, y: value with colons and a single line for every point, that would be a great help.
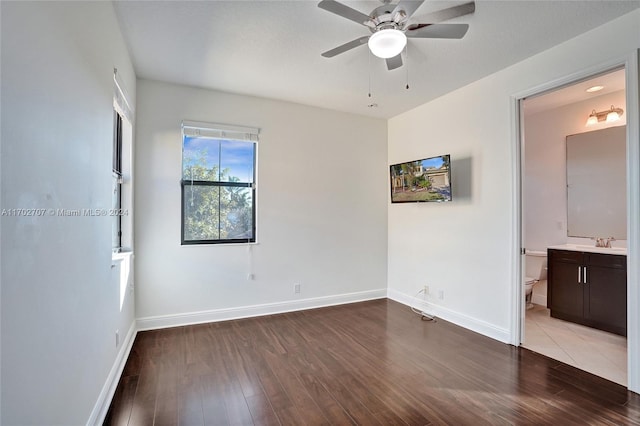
x: 588, y: 288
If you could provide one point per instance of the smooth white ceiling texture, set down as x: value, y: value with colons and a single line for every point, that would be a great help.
x: 272, y: 48
x: 577, y: 92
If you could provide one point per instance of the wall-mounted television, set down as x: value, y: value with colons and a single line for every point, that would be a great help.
x: 421, y: 181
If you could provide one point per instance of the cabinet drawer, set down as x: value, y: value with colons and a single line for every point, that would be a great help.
x: 607, y: 260
x: 567, y: 256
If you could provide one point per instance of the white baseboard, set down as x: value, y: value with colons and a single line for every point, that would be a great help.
x: 101, y: 407
x: 165, y: 321
x: 539, y: 299
x: 473, y: 324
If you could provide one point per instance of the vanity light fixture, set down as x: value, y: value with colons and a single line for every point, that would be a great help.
x: 609, y: 116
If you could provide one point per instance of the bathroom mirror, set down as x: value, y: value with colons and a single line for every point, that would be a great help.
x: 597, y: 184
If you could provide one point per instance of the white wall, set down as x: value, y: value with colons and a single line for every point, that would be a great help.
x: 322, y: 219
x: 465, y: 247
x: 60, y: 299
x: 545, y: 173
x: 544, y: 191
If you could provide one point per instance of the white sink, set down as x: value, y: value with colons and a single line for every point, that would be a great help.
x: 591, y: 249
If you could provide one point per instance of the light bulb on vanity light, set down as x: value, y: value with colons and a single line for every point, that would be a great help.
x: 612, y: 115
x: 593, y: 118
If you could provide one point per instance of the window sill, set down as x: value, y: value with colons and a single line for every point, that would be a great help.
x: 219, y: 244
x: 120, y: 256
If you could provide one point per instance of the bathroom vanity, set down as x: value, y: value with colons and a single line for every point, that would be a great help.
x: 588, y: 285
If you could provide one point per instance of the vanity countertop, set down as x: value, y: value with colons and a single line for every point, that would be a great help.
x: 591, y: 249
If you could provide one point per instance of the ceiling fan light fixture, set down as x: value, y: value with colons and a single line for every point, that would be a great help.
x: 387, y: 43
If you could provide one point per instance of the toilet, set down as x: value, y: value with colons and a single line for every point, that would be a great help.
x: 535, y: 271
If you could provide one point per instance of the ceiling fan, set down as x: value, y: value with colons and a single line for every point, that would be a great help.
x: 390, y: 26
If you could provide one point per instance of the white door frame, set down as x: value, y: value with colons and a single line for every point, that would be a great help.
x: 631, y: 65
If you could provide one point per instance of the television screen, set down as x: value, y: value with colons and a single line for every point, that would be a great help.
x: 421, y: 180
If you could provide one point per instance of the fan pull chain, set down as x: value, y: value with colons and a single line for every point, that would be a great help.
x: 406, y: 58
x: 369, y: 69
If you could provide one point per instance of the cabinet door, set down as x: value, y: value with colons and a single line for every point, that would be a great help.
x: 606, y: 286
x: 565, y: 291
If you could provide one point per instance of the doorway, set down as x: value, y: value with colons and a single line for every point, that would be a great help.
x: 537, y: 322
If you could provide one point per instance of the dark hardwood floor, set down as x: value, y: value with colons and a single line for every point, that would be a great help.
x: 370, y: 363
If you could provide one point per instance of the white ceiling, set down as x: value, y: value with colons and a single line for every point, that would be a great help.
x: 272, y: 48
x: 611, y: 82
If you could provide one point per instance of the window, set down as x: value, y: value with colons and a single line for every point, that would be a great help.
x: 121, y: 212
x: 116, y: 202
x: 218, y: 184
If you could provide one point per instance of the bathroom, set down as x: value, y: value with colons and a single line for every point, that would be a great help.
x: 559, y: 195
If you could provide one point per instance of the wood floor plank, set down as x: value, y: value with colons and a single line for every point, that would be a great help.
x: 190, y: 410
x: 166, y: 411
x: 236, y: 406
x: 214, y: 409
x: 389, y: 418
x: 237, y: 344
x: 167, y: 404
x: 261, y: 410
x: 369, y: 363
x: 295, y: 390
x: 313, y: 382
x: 144, y: 401
x: 120, y: 410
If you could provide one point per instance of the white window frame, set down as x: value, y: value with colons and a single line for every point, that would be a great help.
x: 220, y: 132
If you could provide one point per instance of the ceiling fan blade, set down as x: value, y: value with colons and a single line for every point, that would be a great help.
x: 450, y: 13
x: 409, y: 6
x: 437, y: 30
x: 344, y: 11
x: 395, y: 62
x: 347, y: 46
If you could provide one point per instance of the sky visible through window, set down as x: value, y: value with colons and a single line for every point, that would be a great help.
x: 436, y: 162
x: 235, y: 156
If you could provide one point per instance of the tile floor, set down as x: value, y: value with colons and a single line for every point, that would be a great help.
x: 598, y: 352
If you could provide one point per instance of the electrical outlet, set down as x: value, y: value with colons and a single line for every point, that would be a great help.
x: 117, y: 338
x: 250, y: 277
x: 296, y: 288
x: 441, y: 294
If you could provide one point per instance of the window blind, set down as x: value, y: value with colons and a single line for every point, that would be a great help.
x: 220, y: 131
x: 120, y: 98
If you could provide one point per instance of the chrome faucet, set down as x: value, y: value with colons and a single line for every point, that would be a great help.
x: 602, y: 242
